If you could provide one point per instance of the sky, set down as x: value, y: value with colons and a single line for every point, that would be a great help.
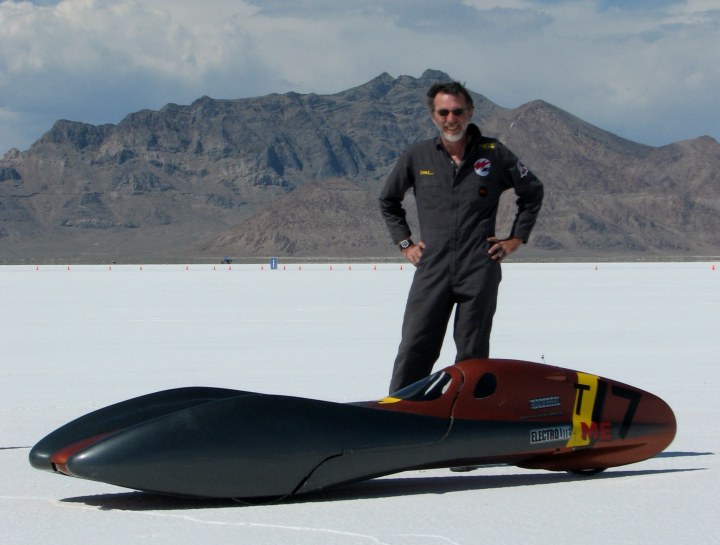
x: 645, y: 70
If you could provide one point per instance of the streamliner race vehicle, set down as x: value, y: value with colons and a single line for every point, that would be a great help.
x: 223, y: 443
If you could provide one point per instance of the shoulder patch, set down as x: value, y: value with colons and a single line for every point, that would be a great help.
x: 522, y: 169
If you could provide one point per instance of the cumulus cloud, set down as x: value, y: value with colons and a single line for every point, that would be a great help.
x: 643, y: 69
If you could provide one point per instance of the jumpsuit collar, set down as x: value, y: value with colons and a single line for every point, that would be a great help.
x: 473, y: 134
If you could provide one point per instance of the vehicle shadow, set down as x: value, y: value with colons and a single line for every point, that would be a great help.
x: 389, y: 487
x: 386, y: 487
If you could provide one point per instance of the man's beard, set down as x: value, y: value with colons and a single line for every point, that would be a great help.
x: 453, y: 137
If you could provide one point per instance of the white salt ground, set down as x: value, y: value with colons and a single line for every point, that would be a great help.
x: 72, y: 341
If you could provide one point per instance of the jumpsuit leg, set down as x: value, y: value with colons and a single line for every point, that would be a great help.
x: 476, y: 304
x: 427, y: 313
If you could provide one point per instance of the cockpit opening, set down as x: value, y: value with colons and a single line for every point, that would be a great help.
x: 486, y: 386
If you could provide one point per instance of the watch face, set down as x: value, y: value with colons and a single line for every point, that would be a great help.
x: 404, y: 244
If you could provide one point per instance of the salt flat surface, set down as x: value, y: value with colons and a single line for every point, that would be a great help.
x: 73, y: 340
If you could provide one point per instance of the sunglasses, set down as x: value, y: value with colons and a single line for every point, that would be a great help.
x: 457, y: 112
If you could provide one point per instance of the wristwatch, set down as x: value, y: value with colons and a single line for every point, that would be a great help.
x: 405, y: 244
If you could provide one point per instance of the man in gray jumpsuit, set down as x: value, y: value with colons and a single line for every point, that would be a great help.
x: 458, y: 178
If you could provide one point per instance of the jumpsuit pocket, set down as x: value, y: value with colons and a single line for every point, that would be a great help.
x: 429, y: 194
x: 482, y: 252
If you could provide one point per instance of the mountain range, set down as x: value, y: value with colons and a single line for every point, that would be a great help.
x: 296, y: 176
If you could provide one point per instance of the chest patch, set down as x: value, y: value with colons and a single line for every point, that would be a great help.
x: 482, y: 167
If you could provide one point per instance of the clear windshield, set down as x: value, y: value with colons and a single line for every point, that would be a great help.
x: 426, y: 389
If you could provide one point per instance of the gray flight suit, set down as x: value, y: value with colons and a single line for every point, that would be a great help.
x: 457, y: 209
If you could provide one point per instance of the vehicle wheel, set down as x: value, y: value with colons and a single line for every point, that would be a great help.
x: 587, y: 472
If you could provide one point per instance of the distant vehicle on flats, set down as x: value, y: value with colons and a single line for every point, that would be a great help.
x: 222, y: 443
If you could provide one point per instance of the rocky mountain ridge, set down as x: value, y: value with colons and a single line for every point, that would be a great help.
x: 294, y: 176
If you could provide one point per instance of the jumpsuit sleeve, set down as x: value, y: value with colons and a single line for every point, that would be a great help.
x: 529, y: 190
x: 401, y: 179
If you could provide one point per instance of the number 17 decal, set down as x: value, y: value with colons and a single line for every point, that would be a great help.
x: 587, y: 419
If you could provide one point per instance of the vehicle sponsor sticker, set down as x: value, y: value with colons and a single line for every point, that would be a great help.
x: 544, y: 403
x: 550, y: 435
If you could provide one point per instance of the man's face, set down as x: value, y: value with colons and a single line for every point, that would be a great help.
x: 448, y: 118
